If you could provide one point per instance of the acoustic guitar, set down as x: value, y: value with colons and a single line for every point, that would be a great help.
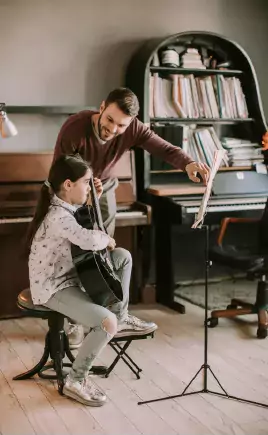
x: 95, y: 268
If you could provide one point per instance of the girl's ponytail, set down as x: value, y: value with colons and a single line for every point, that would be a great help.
x: 40, y: 212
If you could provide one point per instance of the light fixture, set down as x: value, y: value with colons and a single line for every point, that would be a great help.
x: 7, y: 128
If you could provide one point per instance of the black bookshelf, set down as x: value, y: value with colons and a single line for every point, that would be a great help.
x: 195, y: 71
x: 138, y: 74
x: 200, y: 121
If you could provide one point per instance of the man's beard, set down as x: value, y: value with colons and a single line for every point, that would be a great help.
x: 100, y: 127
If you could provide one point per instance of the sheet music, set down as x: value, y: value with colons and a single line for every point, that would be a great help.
x: 218, y: 156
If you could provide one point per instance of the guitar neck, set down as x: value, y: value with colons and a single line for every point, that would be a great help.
x: 96, y: 205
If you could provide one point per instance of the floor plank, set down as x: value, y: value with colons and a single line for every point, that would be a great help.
x: 73, y: 413
x: 12, y: 412
x: 126, y: 398
x: 39, y: 411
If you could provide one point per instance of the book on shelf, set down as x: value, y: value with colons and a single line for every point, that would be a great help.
x: 187, y: 96
x: 204, y: 142
x: 201, y: 143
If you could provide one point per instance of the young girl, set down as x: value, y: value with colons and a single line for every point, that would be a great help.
x: 53, y: 279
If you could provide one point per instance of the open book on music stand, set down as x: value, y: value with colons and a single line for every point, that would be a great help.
x: 218, y: 156
x: 205, y: 367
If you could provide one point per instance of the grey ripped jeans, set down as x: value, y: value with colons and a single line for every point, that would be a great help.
x: 108, y: 205
x: 76, y: 304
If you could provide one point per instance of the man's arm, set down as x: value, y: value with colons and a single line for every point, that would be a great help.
x: 175, y: 156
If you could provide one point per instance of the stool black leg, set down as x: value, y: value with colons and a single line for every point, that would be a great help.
x: 126, y: 357
x: 67, y: 349
x: 57, y: 341
x: 120, y: 354
x: 58, y: 366
x: 36, y: 369
x: 51, y: 364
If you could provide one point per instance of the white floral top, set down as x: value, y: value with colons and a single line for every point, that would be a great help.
x: 51, y: 266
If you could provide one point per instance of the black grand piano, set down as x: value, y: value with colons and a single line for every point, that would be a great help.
x: 239, y: 190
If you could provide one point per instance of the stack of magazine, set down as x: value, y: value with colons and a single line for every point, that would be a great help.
x: 242, y: 152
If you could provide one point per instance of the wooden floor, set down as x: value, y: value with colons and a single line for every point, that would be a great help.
x: 237, y: 358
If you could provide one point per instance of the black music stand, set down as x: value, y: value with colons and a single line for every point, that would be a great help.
x: 205, y: 367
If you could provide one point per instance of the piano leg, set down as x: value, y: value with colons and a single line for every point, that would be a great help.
x: 137, y: 239
x: 145, y: 244
x: 141, y: 242
x: 135, y: 287
x: 165, y: 284
x: 146, y: 289
x: 126, y: 237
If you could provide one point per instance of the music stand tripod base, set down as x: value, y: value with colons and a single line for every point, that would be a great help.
x: 205, y: 367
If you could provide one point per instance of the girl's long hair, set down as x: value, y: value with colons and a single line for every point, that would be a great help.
x: 64, y: 168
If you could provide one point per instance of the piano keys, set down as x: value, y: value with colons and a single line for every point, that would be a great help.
x: 123, y: 217
x: 220, y: 205
x: 182, y: 210
x: 129, y: 215
x: 21, y: 177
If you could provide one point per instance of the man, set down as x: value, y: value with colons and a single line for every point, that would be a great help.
x: 103, y: 137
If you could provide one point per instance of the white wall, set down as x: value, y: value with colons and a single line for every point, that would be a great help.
x: 73, y: 52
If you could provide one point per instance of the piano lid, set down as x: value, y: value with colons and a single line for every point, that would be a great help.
x: 226, y: 184
x: 24, y: 167
x: 242, y: 183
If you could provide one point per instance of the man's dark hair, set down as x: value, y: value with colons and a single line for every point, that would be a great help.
x: 125, y: 99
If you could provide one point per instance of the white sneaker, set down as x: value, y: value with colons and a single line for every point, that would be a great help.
x: 75, y: 334
x: 85, y: 392
x: 135, y: 326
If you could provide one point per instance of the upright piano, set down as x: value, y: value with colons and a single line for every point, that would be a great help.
x: 21, y: 177
x: 234, y: 193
